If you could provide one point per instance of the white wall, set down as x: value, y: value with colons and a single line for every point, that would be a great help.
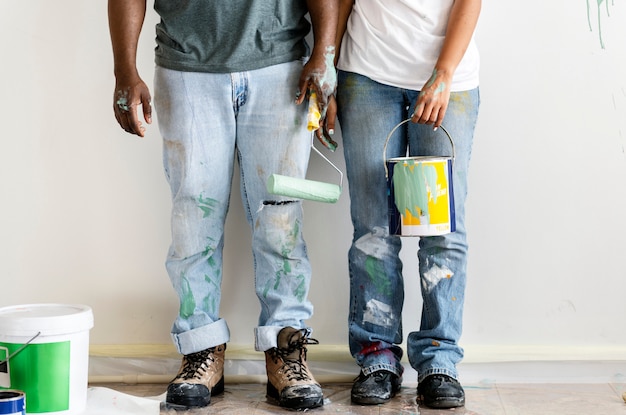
x: 85, y: 207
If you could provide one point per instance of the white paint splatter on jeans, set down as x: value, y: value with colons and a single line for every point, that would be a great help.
x: 378, y: 313
x: 434, y: 275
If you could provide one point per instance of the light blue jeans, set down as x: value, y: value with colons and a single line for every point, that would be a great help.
x: 368, y: 111
x: 206, y: 120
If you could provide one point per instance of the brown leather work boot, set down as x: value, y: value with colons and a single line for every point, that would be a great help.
x: 289, y: 380
x: 201, y: 375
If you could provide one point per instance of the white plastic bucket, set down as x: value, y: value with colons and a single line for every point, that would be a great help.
x: 45, y: 349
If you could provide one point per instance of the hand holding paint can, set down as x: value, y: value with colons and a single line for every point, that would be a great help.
x: 420, y: 193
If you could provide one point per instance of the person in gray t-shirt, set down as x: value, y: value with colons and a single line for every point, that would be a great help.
x: 229, y: 81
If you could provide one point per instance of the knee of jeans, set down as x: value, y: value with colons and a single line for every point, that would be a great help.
x: 377, y: 243
x: 278, y: 202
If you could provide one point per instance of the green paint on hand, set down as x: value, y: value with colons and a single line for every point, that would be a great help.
x: 440, y: 88
x: 122, y: 103
x: 432, y: 78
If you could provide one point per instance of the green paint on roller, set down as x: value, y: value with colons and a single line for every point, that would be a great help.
x: 303, y: 188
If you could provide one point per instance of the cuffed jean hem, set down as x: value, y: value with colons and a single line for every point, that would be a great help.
x: 202, y: 338
x: 266, y: 337
x: 437, y: 371
x: 376, y: 368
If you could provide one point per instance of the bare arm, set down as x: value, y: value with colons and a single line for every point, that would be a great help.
x: 433, y: 100
x: 319, y: 72
x: 345, y: 8
x: 126, y: 19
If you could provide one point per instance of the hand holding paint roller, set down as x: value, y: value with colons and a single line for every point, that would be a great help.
x: 307, y: 189
x: 313, y: 122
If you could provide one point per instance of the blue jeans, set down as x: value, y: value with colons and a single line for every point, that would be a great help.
x: 368, y: 111
x: 205, y: 120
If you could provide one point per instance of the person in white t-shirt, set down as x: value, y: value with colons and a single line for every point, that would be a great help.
x: 402, y: 60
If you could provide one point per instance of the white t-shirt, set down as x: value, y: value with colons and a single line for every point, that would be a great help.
x: 397, y: 43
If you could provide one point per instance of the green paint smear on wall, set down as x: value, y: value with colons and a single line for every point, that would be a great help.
x: 599, y: 5
x: 376, y: 274
x: 411, y: 181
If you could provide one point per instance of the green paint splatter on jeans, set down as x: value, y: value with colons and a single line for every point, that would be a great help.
x: 300, y: 290
x: 187, y: 303
x: 208, y: 253
x: 376, y: 274
x: 284, y: 269
x: 206, y: 205
x: 266, y: 289
x: 210, y: 301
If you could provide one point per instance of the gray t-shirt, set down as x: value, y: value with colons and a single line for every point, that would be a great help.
x: 222, y: 36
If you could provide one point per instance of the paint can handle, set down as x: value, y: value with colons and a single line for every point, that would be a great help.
x: 327, y: 160
x: 394, y: 130
x: 20, y: 349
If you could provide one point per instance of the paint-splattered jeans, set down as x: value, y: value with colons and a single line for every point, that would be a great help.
x: 368, y: 111
x: 205, y: 120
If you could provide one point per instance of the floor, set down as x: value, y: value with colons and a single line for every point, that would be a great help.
x: 482, y: 399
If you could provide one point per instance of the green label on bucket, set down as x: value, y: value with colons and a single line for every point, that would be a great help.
x: 42, y: 372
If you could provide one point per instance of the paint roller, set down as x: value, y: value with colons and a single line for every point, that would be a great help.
x: 302, y: 188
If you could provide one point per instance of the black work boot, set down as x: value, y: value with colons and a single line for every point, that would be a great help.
x: 440, y: 392
x: 289, y: 380
x: 376, y: 388
x: 201, y: 375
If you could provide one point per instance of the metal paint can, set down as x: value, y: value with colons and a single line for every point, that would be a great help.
x: 12, y: 402
x: 420, y: 193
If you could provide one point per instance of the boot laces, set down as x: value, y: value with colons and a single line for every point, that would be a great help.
x: 196, y: 364
x: 295, y: 368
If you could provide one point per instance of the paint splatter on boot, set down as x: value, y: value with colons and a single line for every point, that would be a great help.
x: 289, y: 380
x: 201, y: 376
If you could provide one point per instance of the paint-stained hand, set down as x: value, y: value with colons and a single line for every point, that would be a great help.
x: 128, y: 96
x: 327, y: 126
x: 319, y: 74
x: 432, y: 102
